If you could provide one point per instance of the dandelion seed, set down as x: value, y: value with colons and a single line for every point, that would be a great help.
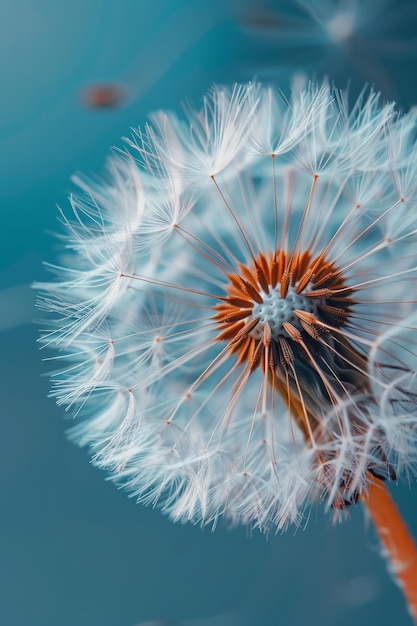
x: 104, y: 96
x: 238, y: 312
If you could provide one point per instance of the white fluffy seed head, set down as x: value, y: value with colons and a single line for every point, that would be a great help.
x: 178, y: 395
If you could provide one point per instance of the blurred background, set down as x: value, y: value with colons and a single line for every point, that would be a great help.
x: 74, y: 77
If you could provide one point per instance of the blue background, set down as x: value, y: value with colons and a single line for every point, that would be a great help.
x: 75, y: 551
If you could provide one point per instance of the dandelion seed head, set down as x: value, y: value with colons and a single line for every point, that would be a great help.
x: 235, y: 311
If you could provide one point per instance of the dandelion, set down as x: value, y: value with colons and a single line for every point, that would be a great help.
x: 349, y: 37
x: 235, y: 313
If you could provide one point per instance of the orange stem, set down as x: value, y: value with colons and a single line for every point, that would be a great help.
x: 396, y: 539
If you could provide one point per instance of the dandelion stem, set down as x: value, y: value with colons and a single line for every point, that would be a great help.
x: 400, y: 548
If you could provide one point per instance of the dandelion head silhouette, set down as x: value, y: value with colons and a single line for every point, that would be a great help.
x: 235, y: 307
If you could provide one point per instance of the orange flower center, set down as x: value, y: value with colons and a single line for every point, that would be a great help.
x: 279, y: 298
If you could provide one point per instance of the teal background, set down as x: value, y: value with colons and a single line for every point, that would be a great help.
x: 75, y: 551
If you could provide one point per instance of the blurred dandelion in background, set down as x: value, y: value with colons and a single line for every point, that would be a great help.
x: 350, y: 40
x: 235, y: 311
